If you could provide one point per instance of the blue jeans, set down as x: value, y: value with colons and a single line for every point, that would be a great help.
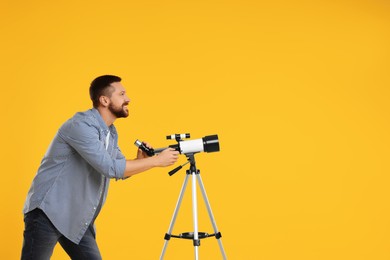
x: 40, y: 237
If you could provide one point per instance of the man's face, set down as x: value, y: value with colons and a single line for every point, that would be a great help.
x: 119, y: 101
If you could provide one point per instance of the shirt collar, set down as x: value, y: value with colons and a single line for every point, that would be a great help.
x: 102, y: 124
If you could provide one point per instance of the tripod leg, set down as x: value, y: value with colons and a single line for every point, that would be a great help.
x: 206, y: 200
x: 195, y: 216
x: 168, y: 235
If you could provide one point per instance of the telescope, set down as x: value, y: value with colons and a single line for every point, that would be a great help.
x: 208, y: 144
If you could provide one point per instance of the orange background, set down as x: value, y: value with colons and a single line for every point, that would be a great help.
x: 298, y: 92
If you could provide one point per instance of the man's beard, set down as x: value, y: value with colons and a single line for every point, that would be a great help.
x: 119, y: 111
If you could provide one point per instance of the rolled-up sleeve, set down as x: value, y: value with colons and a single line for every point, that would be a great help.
x: 84, y: 138
x: 122, y: 163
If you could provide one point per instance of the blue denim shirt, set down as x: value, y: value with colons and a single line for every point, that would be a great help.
x: 72, y: 181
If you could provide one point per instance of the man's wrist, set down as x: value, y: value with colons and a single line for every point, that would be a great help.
x: 153, y: 161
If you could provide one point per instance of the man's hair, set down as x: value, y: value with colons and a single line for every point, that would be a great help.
x: 101, y: 87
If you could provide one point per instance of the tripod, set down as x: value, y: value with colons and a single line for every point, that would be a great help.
x: 196, y: 235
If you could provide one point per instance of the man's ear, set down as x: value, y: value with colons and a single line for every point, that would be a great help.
x: 105, y: 101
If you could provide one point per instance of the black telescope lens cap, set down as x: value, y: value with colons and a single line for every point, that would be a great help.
x: 211, y: 143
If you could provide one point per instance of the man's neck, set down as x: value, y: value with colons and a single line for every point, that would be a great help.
x: 107, y: 116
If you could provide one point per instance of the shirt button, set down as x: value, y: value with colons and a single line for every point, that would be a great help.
x: 94, y: 207
x: 86, y: 224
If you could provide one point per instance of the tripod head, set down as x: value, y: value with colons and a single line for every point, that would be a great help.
x: 190, y: 159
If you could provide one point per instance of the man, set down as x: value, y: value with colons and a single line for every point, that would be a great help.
x: 71, y: 184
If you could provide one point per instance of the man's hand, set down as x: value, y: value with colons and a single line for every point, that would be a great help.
x: 143, y: 162
x: 141, y: 154
x: 167, y: 157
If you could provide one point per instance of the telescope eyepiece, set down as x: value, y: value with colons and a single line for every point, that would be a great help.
x: 143, y: 147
